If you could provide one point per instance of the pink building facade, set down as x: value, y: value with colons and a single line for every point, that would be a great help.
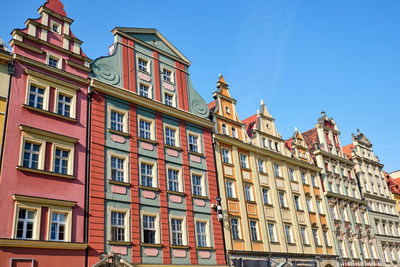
x: 42, y: 186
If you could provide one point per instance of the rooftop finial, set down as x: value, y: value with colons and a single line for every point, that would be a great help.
x: 221, y: 79
x: 262, y: 101
x: 358, y: 130
x: 323, y: 113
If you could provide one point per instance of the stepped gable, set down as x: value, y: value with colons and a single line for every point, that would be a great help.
x: 56, y: 6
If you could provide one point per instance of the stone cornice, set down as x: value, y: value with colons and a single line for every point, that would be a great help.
x: 5, y: 57
x: 44, y: 201
x: 383, y: 199
x: 45, y: 133
x: 26, y: 46
x: 348, y: 198
x: 227, y: 119
x: 263, y: 151
x: 230, y: 99
x: 22, y: 243
x: 332, y: 156
x: 54, y: 14
x: 149, y: 103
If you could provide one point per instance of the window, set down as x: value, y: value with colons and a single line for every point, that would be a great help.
x: 25, y: 225
x: 282, y: 199
x: 271, y: 232
x: 303, y: 234
x: 146, y: 172
x: 297, y: 202
x: 149, y: 229
x: 117, y: 226
x: 253, y: 230
x: 170, y: 136
x: 291, y: 175
x: 342, y: 251
x: 61, y: 160
x: 55, y: 27
x: 277, y: 170
x: 261, y: 166
x: 169, y: 100
x: 270, y: 144
x: 193, y: 143
x: 58, y: 222
x: 326, y: 239
x: 304, y: 178
x: 353, y: 252
x: 167, y: 75
x: 143, y: 65
x: 230, y: 189
x: 117, y: 121
x: 145, y: 129
x: 264, y: 142
x: 173, y: 180
x: 144, y: 90
x: 227, y: 111
x: 53, y: 62
x: 226, y: 155
x: 266, y: 196
x: 224, y: 129
x: 234, y: 133
x: 243, y: 160
x: 197, y: 181
x: 235, y: 228
x: 176, y: 232
x: 288, y: 233
x: 319, y: 207
x: 316, y: 237
x: 248, y: 191
x: 64, y: 105
x: 313, y: 181
x: 309, y: 205
x: 201, y: 234
x: 36, y: 96
x: 277, y: 146
x: 31, y: 155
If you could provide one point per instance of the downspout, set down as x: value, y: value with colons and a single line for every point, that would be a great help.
x: 11, y: 70
x: 222, y: 221
x: 87, y: 174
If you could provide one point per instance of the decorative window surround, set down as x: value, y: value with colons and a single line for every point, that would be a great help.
x: 126, y: 225
x: 153, y: 170
x: 202, y: 232
x: 125, y: 158
x: 194, y: 142
x: 178, y: 235
x: 196, y: 188
x: 175, y: 140
x: 111, y: 108
x: 144, y: 133
x: 54, y: 61
x: 72, y: 105
x: 174, y: 178
x: 157, y: 226
x: 55, y: 27
x: 143, y: 64
x: 70, y: 160
x: 167, y: 75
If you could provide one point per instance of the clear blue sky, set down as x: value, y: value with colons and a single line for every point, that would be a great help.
x: 301, y: 57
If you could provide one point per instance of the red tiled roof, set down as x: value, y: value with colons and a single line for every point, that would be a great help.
x: 56, y: 6
x: 347, y: 150
x: 250, y: 122
x: 394, y: 185
x: 288, y: 144
x: 212, y: 105
x: 311, y: 137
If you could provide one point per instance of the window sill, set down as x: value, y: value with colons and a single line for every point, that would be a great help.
x: 233, y: 198
x: 263, y: 173
x: 176, y: 193
x: 49, y: 113
x: 173, y: 147
x: 5, y: 242
x: 204, y: 248
x: 66, y: 176
x: 170, y: 82
x: 228, y: 164
x: 147, y: 140
x: 196, y: 153
x: 149, y: 245
x: 200, y: 197
x: 285, y: 208
x: 118, y: 132
x: 246, y: 169
x: 311, y: 212
x: 300, y: 211
x: 238, y: 239
x: 257, y: 241
x: 145, y: 72
x: 294, y: 181
x: 307, y: 245
x: 119, y: 183
x: 251, y: 202
x: 274, y: 242
x: 179, y: 246
x: 149, y: 188
x: 119, y: 243
x: 268, y: 205
x: 291, y: 244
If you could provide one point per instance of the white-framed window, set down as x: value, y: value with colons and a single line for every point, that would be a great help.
x: 303, y: 234
x: 31, y: 154
x: 148, y: 173
x: 297, y: 202
x: 63, y: 159
x: 292, y: 175
x: 316, y: 237
x: 313, y: 181
x: 54, y: 61
x: 171, y: 135
x: 234, y: 132
x: 326, y: 238
x: 224, y: 129
x: 65, y: 104
x: 178, y: 231
x: 235, y: 228
x: 261, y: 167
x: 248, y: 191
x: 118, y: 225
x: 243, y: 161
x: 227, y: 110
x: 118, y: 119
x: 150, y: 228
x: 143, y: 65
x: 272, y: 232
x: 254, y: 230
x: 58, y: 226
x: 264, y: 142
x: 288, y: 234
x: 55, y: 27
x: 174, y: 180
x: 144, y: 90
x: 282, y: 199
x: 146, y: 128
x: 202, y: 236
x: 36, y: 96
x: 226, y: 155
x: 310, y: 205
x: 194, y: 142
x: 319, y: 207
x: 304, y: 178
x: 167, y: 75
x: 266, y: 197
x: 37, y: 93
x: 118, y: 167
x: 230, y: 189
x: 26, y: 223
x: 198, y: 184
x: 277, y: 170
x: 270, y: 144
x: 169, y: 99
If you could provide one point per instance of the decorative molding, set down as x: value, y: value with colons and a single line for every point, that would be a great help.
x: 44, y: 201
x: 26, y: 46
x: 49, y: 173
x: 76, y: 65
x: 45, y: 133
x: 41, y: 244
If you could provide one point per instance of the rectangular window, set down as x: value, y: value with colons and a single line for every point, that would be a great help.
x: 253, y: 230
x: 266, y: 196
x: 271, y: 232
x: 277, y: 170
x: 197, y: 184
x: 149, y: 229
x: 316, y: 237
x: 55, y: 27
x: 64, y: 105
x: 313, y: 181
x: 230, y: 191
x: 173, y: 180
x: 234, y: 132
x: 326, y: 239
x: 297, y: 202
x: 169, y: 100
x: 177, y: 232
x: 224, y: 131
x: 309, y: 205
x: 58, y: 221
x: 36, y: 96
x: 167, y: 75
x: 235, y: 228
x: 31, y: 155
x: 193, y: 143
x: 248, y: 192
x: 282, y: 199
x: 261, y: 166
x: 53, y: 62
x: 288, y: 233
x: 226, y: 156
x: 291, y: 175
x: 145, y: 129
x: 264, y: 142
x: 142, y: 65
x: 146, y: 172
x: 201, y: 233
x: 61, y: 161
x: 169, y: 136
x: 117, y: 121
x: 117, y: 226
x: 243, y: 161
x: 25, y: 226
x: 303, y: 235
x: 304, y: 178
x: 144, y: 90
x: 319, y: 207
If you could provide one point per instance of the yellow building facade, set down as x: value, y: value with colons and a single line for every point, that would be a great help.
x: 271, y: 194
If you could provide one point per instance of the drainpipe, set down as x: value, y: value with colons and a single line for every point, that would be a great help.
x: 87, y: 174
x: 11, y: 70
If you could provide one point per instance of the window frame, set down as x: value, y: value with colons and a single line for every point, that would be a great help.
x: 199, y: 141
x: 56, y: 57
x: 173, y: 102
x: 37, y: 221
x: 52, y: 23
x: 289, y: 238
x: 127, y: 219
x: 244, y: 162
x: 152, y: 126
x: 38, y: 84
x: 154, y: 171
x: 68, y: 222
x: 204, y: 192
x: 71, y: 152
x: 69, y: 93
x: 148, y: 65
x: 156, y: 226
x: 304, y: 235
x: 233, y: 188
x: 26, y: 137
x: 272, y: 232
x: 282, y: 201
x: 250, y: 191
x: 207, y: 231
x: 174, y: 168
x: 255, y: 227
x: 125, y: 158
x: 149, y: 90
x: 239, y: 230
x: 177, y: 142
x: 172, y: 74
x: 183, y: 227
x: 228, y: 154
x: 123, y: 112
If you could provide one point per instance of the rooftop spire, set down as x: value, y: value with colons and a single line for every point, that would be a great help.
x: 56, y: 6
x: 221, y: 79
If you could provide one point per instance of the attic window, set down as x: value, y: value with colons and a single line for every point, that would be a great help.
x: 55, y: 27
x: 267, y: 126
x: 227, y: 110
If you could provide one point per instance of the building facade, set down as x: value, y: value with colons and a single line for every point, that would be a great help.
x: 272, y: 200
x: 375, y: 191
x: 42, y: 186
x: 349, y: 219
x: 152, y: 175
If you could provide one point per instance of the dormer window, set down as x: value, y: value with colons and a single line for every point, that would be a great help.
x: 234, y: 133
x: 55, y: 27
x: 53, y: 61
x: 224, y: 129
